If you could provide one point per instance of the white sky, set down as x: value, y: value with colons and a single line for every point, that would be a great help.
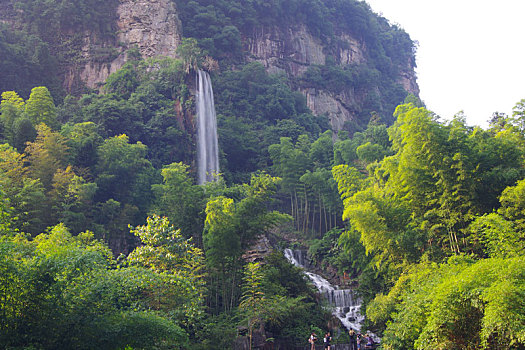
x: 471, y: 54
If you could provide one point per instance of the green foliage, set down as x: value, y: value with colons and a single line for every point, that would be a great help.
x: 216, y: 332
x: 254, y: 110
x: 513, y: 205
x: 441, y: 172
x: 256, y: 307
x: 307, y: 182
x: 23, y: 132
x: 413, y: 195
x: 124, y: 81
x: 83, y: 140
x: 126, y: 176
x: 50, y: 17
x: 5, y: 216
x: 497, y: 236
x: 166, y: 252
x: 326, y: 251
x: 460, y: 305
x: 180, y: 200
x: 140, y: 103
x: 432, y: 195
x: 217, y: 28
x: 40, y: 108
x: 230, y: 227
x: 60, y: 291
x: 370, y: 152
x: 46, y: 155
x: 26, y: 62
x: 253, y: 302
x: 208, y: 23
x: 280, y: 278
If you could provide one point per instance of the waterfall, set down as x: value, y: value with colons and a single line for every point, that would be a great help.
x: 207, y: 144
x: 342, y: 301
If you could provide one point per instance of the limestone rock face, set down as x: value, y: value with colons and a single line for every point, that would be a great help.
x: 409, y: 80
x: 338, y: 108
x: 351, y: 51
x: 292, y: 49
x: 289, y: 50
x: 153, y: 26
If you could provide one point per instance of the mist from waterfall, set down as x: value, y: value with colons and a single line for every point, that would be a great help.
x: 207, y: 143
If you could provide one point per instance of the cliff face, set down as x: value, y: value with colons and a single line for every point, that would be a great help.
x: 152, y: 26
x: 293, y: 49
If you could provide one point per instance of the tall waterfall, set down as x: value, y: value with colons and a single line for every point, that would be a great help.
x: 207, y: 144
x: 342, y: 301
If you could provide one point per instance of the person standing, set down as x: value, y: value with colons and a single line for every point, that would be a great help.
x: 312, y: 340
x: 353, y: 339
x: 326, y: 340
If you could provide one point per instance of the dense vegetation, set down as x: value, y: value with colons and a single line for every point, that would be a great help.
x: 107, y: 242
x: 71, y: 175
x: 441, y: 220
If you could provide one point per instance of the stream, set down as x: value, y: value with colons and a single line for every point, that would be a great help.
x: 345, y: 306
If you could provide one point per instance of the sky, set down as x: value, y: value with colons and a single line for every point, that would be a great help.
x: 471, y: 53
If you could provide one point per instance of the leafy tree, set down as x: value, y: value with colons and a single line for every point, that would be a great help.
x: 5, y: 216
x: 370, y: 152
x: 180, y: 200
x: 17, y: 128
x: 60, y: 291
x: 165, y: 251
x: 190, y: 53
x: 124, y: 81
x: 230, y: 227
x: 512, y: 205
x: 253, y: 299
x: 23, y: 132
x: 124, y: 176
x: 113, y: 115
x: 27, y: 61
x: 40, y: 108
x: 497, y: 236
x: 46, y: 155
x: 83, y: 140
x: 322, y: 152
x: 119, y: 167
x: 459, y: 304
x: 11, y: 108
x: 255, y: 307
x: 290, y: 162
x: 26, y: 195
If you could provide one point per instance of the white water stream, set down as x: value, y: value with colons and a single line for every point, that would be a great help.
x: 342, y: 301
x: 207, y: 143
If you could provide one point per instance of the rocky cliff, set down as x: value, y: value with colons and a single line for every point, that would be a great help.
x: 292, y: 49
x: 151, y: 26
x: 155, y: 29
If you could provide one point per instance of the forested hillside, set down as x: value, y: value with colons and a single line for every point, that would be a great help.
x: 107, y: 242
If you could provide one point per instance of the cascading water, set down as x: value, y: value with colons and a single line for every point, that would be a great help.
x: 207, y: 143
x: 344, y: 306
